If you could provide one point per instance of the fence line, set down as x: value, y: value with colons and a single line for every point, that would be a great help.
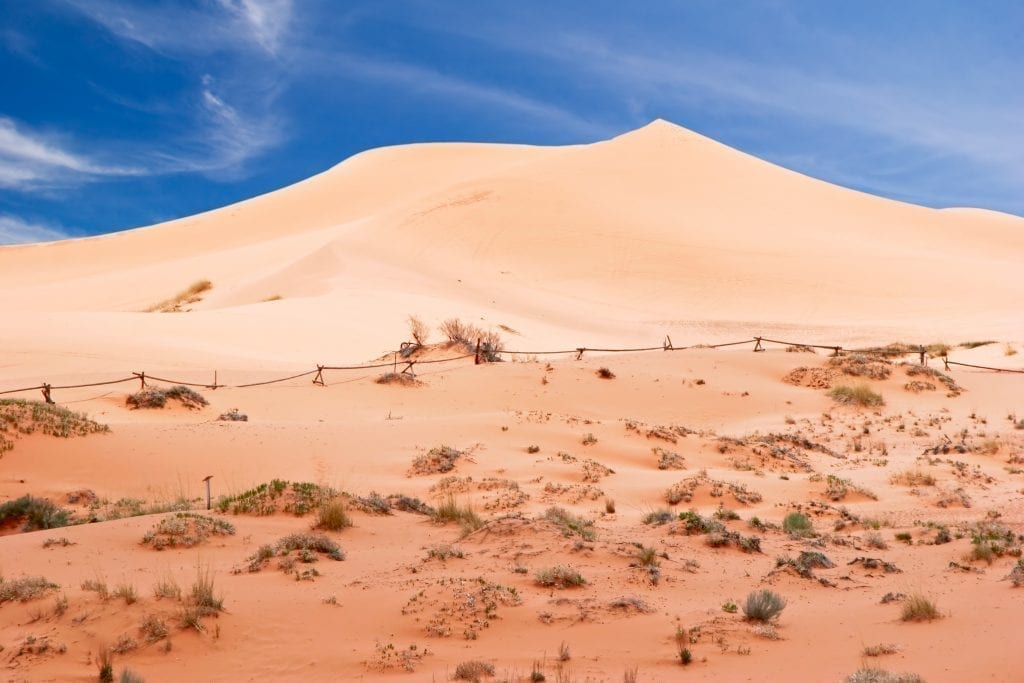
x: 409, y: 364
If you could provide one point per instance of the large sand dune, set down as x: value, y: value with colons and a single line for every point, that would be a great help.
x: 618, y: 243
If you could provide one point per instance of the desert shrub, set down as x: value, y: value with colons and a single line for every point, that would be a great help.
x: 693, y: 523
x: 491, y: 345
x: 1016, y: 575
x: 605, y: 373
x: 332, y: 516
x: 917, y: 607
x: 105, y: 664
x: 310, y: 542
x: 185, y: 529
x: 437, y: 460
x: 233, y: 416
x: 153, y: 628
x: 873, y: 539
x: 869, y: 674
x: 571, y: 524
x: 880, y: 649
x: 798, y: 525
x: 473, y: 670
x: 560, y: 576
x: 34, y: 513
x: 24, y: 589
x: 658, y: 517
x: 157, y: 397
x: 445, y: 551
x: 609, y: 506
x: 418, y: 330
x: 763, y: 605
x: 298, y: 498
x: 410, y: 504
x: 127, y: 592
x: 861, y: 365
x: 860, y: 395
x: 913, y: 478
x: 457, y: 331
x: 403, y: 379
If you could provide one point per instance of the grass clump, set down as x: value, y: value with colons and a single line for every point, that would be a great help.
x: 605, y: 373
x: 918, y: 607
x: 559, y: 576
x: 402, y: 379
x: 473, y: 670
x: 763, y: 605
x: 880, y: 649
x: 332, y: 516
x: 659, y: 517
x: 797, y: 525
x: 24, y: 589
x: 153, y: 628
x: 190, y: 295
x: 157, y: 397
x: 33, y: 513
x: 860, y: 395
x: 913, y: 478
x: 445, y: 551
x: 464, y: 515
x: 571, y: 524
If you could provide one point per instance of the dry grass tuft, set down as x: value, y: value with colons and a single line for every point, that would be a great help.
x: 191, y: 295
x: 917, y: 607
x: 157, y: 397
x: 860, y: 395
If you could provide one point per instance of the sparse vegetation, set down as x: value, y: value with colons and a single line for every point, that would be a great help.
x: 560, y: 576
x: 438, y: 460
x: 570, y: 524
x: 860, y: 395
x: 332, y: 516
x: 451, y: 511
x: 418, y: 330
x: 874, y: 675
x: 298, y: 498
x: 185, y: 529
x: 763, y: 605
x: 33, y: 513
x: 797, y: 525
x: 880, y: 649
x: 473, y: 670
x: 918, y: 607
x: 190, y: 295
x: 25, y: 588
x: 19, y: 417
x: 157, y: 397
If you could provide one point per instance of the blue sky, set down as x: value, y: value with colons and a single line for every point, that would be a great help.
x: 118, y: 114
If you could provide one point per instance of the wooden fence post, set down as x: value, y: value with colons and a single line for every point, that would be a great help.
x: 667, y: 344
x: 579, y: 353
x: 46, y: 393
x: 207, y: 480
x: 757, y: 345
x: 319, y: 379
x: 476, y: 359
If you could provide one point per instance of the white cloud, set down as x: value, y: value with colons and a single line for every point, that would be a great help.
x: 13, y: 230
x: 413, y: 78
x: 30, y: 160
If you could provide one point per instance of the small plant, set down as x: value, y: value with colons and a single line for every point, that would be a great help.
x: 880, y: 649
x: 157, y: 397
x: 571, y: 524
x: 729, y: 607
x: 860, y: 395
x: 609, y: 506
x: 473, y: 670
x: 202, y: 596
x: 685, y: 656
x: 332, y: 516
x: 658, y: 517
x: 917, y: 607
x: 25, y: 589
x: 589, y: 439
x: 797, y: 525
x: 563, y: 652
x: 127, y: 592
x: 129, y: 676
x: 873, y: 675
x: 153, y: 628
x: 418, y: 330
x: 560, y: 576
x: 105, y: 663
x: 873, y: 539
x: 763, y: 605
x: 605, y: 373
x: 533, y: 449
x: 451, y: 511
x: 904, y: 537
x: 443, y: 552
x: 187, y: 296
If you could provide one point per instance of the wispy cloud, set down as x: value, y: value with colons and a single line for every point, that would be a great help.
x: 30, y: 160
x: 412, y: 78
x: 14, y: 230
x: 175, y: 29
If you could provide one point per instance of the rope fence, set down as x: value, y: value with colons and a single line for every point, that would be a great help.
x: 400, y: 358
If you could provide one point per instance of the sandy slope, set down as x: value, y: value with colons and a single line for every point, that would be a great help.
x: 659, y: 231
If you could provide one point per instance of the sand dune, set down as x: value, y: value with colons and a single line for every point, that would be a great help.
x: 659, y: 231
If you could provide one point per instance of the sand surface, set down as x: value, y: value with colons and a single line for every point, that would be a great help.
x: 659, y: 232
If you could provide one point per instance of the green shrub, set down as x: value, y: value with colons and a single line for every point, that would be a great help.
x: 763, y: 605
x: 451, y: 511
x: 798, y: 525
x: 34, y: 513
